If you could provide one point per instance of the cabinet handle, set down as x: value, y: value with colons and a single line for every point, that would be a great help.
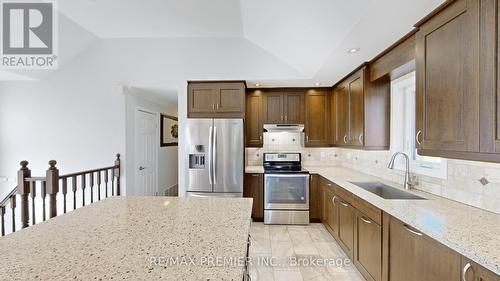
x: 344, y: 204
x: 281, y: 118
x: 213, y: 106
x: 417, y: 137
x: 333, y: 199
x: 465, y: 270
x: 260, y: 138
x: 360, y: 138
x: 286, y: 118
x: 411, y: 230
x: 307, y: 138
x: 217, y: 106
x: 329, y: 184
x: 345, y: 138
x: 255, y: 175
x: 365, y: 220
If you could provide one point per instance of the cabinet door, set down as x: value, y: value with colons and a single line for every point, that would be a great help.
x: 448, y: 75
x: 404, y: 252
x: 230, y: 97
x: 316, y: 127
x: 273, y: 108
x: 439, y: 262
x: 202, y: 97
x: 356, y: 110
x: 253, y: 119
x: 314, y: 197
x: 254, y: 188
x: 368, y: 247
x: 330, y: 209
x: 485, y: 275
x: 346, y: 227
x: 341, y: 111
x: 294, y: 107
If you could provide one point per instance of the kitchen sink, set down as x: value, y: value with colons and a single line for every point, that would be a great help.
x: 387, y: 192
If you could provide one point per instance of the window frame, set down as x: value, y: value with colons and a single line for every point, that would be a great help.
x: 403, y: 107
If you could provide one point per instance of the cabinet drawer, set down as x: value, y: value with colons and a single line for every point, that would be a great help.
x: 368, y: 209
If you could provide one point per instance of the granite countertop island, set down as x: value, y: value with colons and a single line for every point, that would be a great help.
x: 134, y: 238
x: 470, y: 231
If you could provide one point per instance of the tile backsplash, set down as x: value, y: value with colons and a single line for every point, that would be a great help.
x: 463, y: 182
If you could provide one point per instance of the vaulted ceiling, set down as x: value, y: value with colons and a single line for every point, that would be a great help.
x: 310, y: 36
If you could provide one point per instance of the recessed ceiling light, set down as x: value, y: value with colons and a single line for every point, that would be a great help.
x: 318, y: 84
x: 353, y: 50
x: 257, y: 85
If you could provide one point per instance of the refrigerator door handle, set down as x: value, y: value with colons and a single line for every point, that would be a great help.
x: 210, y: 155
x: 215, y: 156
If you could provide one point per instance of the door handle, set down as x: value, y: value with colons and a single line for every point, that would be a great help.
x: 411, y: 230
x: 215, y: 156
x: 417, y: 137
x: 465, y: 270
x: 365, y: 220
x: 141, y: 168
x: 210, y: 155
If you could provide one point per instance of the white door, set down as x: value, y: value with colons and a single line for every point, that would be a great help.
x: 146, y: 153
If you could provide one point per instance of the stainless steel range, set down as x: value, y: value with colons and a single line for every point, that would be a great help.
x: 286, y: 189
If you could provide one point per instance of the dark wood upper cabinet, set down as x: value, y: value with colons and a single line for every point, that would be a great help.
x: 283, y: 106
x: 340, y: 115
x: 356, y: 110
x: 294, y: 107
x: 458, y: 98
x: 216, y: 99
x: 254, y: 188
x: 447, y: 51
x: 317, y: 118
x: 254, y: 119
x: 361, y: 112
x: 273, y: 108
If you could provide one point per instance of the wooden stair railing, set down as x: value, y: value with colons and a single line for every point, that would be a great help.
x: 100, y: 178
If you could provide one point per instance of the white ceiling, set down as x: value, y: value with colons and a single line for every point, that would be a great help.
x: 310, y: 36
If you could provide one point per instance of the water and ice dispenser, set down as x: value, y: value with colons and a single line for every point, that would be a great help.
x: 197, y: 160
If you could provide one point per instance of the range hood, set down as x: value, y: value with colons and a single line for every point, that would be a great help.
x: 284, y: 127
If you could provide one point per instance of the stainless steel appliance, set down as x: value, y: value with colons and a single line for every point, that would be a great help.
x: 286, y: 189
x: 215, y: 157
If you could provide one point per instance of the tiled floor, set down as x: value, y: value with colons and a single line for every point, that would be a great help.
x: 290, y: 253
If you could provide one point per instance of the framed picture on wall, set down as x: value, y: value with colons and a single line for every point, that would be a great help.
x: 169, y: 130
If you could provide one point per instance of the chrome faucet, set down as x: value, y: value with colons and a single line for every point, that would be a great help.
x: 408, y: 181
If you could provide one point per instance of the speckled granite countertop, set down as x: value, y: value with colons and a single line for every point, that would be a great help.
x: 134, y: 238
x: 470, y: 231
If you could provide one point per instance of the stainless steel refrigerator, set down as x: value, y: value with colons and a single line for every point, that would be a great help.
x: 215, y: 157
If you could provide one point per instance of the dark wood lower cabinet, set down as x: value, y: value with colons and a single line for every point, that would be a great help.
x: 368, y: 247
x: 314, y: 198
x: 416, y: 257
x: 346, y: 226
x: 385, y: 249
x: 254, y: 188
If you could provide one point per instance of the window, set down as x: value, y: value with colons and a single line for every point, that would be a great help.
x: 403, y: 130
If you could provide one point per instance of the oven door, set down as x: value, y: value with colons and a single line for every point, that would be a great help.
x: 286, y: 191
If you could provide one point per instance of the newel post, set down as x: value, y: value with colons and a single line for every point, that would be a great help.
x: 23, y: 188
x: 52, y: 187
x: 116, y: 173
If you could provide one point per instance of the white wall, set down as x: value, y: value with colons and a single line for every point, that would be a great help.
x: 167, y: 156
x: 76, y: 115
